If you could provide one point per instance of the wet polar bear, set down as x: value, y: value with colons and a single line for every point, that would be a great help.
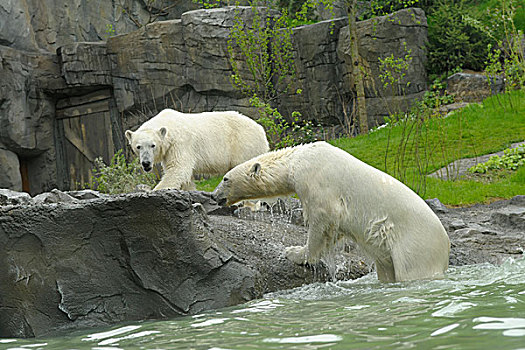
x: 344, y: 197
x: 196, y: 143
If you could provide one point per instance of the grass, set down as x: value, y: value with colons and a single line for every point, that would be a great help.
x: 473, y: 131
x: 209, y: 184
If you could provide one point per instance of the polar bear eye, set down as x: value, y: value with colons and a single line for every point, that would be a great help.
x: 225, y: 179
x: 138, y: 147
x: 152, y: 146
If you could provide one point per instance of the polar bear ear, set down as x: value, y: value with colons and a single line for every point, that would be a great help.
x: 255, y: 169
x: 129, y: 135
x: 163, y: 131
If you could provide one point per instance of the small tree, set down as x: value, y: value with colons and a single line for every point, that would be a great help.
x: 262, y: 59
x: 357, y: 68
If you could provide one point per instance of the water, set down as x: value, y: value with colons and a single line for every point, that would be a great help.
x: 475, y: 307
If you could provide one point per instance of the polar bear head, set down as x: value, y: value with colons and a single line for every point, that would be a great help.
x: 148, y: 145
x: 264, y: 176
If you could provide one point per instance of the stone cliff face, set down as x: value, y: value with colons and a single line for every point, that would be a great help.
x: 66, y: 96
x: 34, y: 25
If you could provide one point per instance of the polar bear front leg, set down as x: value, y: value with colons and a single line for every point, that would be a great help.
x: 176, y: 177
x: 311, y: 252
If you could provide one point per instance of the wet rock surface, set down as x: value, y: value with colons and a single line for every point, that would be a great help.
x: 486, y: 233
x: 68, y: 262
x: 81, y: 259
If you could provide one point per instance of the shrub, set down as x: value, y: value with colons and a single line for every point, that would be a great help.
x: 120, y: 176
x: 279, y: 131
x: 453, y: 41
x: 512, y: 159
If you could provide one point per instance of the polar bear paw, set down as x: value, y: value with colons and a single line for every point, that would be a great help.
x: 297, y: 255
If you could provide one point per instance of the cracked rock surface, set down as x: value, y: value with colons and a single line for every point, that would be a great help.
x: 69, y: 263
x: 82, y: 259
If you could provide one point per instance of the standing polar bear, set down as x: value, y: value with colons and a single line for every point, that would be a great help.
x: 196, y: 143
x: 344, y: 197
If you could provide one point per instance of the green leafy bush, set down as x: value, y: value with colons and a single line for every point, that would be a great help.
x: 453, y: 41
x: 120, y: 176
x: 279, y: 131
x: 512, y: 159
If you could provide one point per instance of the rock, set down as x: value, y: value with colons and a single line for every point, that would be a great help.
x: 55, y: 196
x: 58, y: 23
x: 9, y: 197
x: 97, y: 262
x: 518, y: 200
x: 473, y: 86
x: 436, y: 206
x: 10, y: 175
x: 512, y: 215
x: 492, y: 234
x: 457, y: 224
x: 382, y: 37
x: 27, y: 117
x: 86, y: 194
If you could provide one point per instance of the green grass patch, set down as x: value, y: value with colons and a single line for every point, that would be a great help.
x: 466, y: 192
x: 208, y: 185
x: 473, y: 131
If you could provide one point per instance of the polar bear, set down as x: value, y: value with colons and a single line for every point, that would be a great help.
x: 196, y: 143
x: 344, y: 197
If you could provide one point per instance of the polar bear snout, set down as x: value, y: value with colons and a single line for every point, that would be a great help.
x: 146, y: 165
x: 217, y: 197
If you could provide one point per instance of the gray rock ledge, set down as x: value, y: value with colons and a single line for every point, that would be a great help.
x: 83, y: 259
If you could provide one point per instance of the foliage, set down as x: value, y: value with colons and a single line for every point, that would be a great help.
x: 511, y: 159
x: 385, y: 7
x: 392, y: 73
x: 279, y: 131
x: 452, y: 40
x: 261, y: 54
x: 120, y: 176
x: 110, y: 31
x: 436, y: 95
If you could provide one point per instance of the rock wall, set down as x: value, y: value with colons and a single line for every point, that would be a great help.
x: 58, y: 91
x: 34, y: 25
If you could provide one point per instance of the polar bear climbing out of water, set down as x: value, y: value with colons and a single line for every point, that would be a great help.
x: 196, y: 143
x: 344, y: 197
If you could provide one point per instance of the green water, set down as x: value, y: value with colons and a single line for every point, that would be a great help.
x: 475, y: 307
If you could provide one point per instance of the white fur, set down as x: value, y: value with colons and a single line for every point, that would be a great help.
x: 197, y: 143
x: 344, y: 197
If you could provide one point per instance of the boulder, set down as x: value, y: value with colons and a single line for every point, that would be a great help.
x: 9, y: 197
x: 68, y: 264
x: 473, y: 86
x: 10, y: 175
